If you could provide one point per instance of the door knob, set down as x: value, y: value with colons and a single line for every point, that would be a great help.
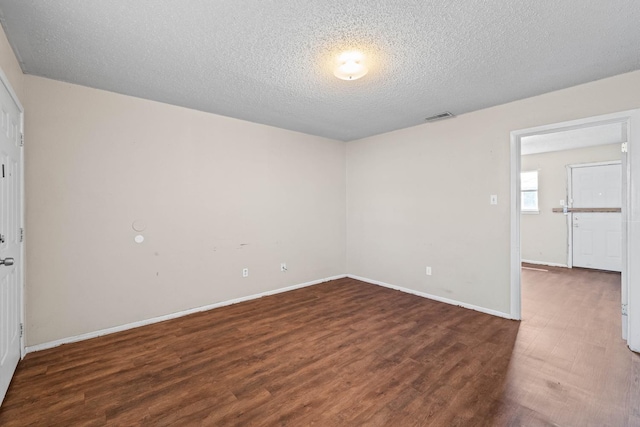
x: 6, y: 261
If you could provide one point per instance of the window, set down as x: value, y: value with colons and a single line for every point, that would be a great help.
x: 529, y: 191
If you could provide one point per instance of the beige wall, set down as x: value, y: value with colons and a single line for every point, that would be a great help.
x: 419, y: 197
x: 544, y: 235
x: 217, y: 195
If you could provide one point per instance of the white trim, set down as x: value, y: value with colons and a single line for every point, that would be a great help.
x: 23, y: 244
x: 549, y: 264
x: 95, y: 334
x: 5, y: 81
x: 630, y: 211
x: 569, y: 216
x: 530, y: 212
x: 535, y: 269
x: 432, y: 297
x: 588, y: 165
x: 619, y: 117
x: 630, y: 223
x: 515, y: 260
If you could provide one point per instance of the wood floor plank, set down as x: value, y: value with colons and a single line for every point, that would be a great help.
x: 349, y: 353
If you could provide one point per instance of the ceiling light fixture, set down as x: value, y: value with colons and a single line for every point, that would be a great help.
x: 350, y: 66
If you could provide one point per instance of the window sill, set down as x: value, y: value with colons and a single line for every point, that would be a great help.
x: 530, y: 212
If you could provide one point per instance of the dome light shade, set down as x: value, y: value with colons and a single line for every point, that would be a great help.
x: 350, y: 66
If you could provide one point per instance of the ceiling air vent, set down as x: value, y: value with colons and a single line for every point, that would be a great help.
x: 440, y: 116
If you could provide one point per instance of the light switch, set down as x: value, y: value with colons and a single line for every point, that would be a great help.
x: 494, y: 199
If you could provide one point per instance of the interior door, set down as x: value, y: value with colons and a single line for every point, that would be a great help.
x: 597, y: 237
x: 10, y: 237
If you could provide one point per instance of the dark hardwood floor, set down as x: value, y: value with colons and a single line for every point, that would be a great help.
x: 346, y: 353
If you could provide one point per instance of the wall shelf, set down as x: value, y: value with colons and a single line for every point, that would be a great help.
x: 576, y: 210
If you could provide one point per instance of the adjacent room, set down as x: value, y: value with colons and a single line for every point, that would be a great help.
x: 334, y: 213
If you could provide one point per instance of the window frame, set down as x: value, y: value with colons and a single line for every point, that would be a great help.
x: 528, y: 189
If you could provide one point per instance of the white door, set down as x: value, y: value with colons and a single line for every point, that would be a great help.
x: 597, y: 237
x: 10, y: 239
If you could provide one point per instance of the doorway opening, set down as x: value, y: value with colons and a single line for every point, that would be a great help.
x: 614, y: 130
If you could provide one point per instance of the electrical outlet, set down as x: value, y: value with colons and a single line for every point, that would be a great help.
x: 428, y: 271
x: 283, y: 266
x: 245, y: 272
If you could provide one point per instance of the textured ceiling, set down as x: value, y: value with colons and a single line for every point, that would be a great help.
x: 271, y: 61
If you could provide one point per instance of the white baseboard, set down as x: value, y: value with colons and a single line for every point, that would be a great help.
x: 89, y: 335
x: 548, y: 264
x: 433, y: 297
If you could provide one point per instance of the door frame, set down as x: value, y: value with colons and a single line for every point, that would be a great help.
x: 569, y: 201
x: 5, y: 81
x: 630, y: 277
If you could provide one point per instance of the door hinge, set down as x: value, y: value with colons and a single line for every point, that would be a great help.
x: 21, y: 234
x: 21, y: 330
x: 624, y: 309
x: 22, y: 140
x: 624, y: 147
